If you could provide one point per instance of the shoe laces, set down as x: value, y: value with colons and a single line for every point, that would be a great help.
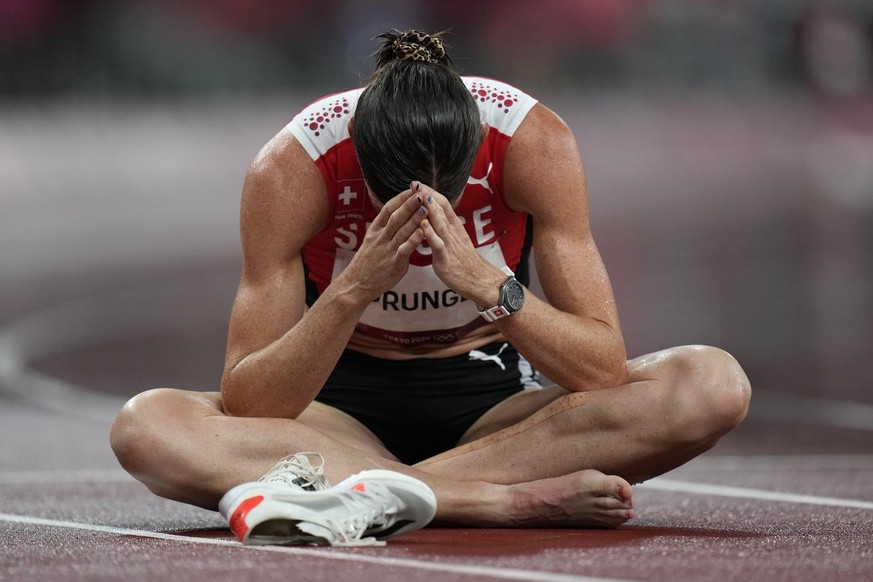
x: 298, y: 471
x: 366, y: 510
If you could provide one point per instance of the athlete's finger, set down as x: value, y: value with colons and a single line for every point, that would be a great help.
x: 437, y: 244
x: 391, y: 206
x: 430, y: 195
x: 408, y: 247
x: 406, y: 230
x: 403, y: 214
x: 440, y: 210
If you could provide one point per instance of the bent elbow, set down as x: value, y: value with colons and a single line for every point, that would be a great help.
x: 231, y: 402
x: 612, y: 370
x: 609, y: 371
x: 240, y: 399
x: 616, y: 374
x: 237, y: 400
x: 235, y: 406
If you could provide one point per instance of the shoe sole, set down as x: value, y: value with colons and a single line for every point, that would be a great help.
x: 282, y: 532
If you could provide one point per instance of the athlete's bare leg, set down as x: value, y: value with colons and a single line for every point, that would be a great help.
x: 182, y: 446
x: 676, y: 405
x: 550, y: 467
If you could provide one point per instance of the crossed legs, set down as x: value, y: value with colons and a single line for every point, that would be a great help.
x: 539, y: 458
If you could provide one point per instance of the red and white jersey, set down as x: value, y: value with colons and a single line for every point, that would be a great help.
x: 420, y: 308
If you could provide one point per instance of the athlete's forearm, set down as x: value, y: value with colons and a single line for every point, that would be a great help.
x: 575, y: 352
x: 283, y: 378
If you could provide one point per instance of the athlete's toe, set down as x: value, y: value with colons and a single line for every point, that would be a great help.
x: 613, y: 503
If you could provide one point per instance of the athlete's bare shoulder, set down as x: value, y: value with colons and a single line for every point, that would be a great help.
x: 542, y: 134
x: 283, y: 169
x: 542, y: 159
x: 284, y: 200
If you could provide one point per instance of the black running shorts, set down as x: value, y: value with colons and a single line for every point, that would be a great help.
x: 419, y: 408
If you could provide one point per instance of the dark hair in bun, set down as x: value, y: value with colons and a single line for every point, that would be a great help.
x: 416, y: 120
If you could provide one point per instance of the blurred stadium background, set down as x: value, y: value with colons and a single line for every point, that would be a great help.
x: 728, y: 144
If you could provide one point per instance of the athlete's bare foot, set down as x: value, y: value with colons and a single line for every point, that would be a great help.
x: 583, y: 499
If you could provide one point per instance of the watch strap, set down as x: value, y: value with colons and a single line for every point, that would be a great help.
x: 498, y: 311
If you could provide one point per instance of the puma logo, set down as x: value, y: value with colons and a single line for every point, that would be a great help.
x: 483, y: 181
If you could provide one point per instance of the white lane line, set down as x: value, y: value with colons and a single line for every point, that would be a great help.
x: 835, y: 462
x: 327, y: 553
x: 732, y: 463
x: 658, y: 483
x: 64, y: 477
x: 662, y: 484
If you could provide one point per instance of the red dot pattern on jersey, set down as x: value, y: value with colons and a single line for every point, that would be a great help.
x: 486, y: 93
x: 316, y: 120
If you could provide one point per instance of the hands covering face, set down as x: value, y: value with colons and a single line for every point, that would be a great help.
x: 383, y: 257
x: 455, y: 260
x: 416, y: 215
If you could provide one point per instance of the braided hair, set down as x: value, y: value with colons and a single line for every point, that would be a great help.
x: 416, y: 119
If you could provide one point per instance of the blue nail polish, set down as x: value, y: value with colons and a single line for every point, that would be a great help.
x: 423, y: 211
x: 429, y: 198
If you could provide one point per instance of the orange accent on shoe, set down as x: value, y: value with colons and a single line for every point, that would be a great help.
x: 358, y: 487
x: 238, y: 519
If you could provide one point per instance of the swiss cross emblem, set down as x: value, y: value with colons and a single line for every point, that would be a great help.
x: 351, y: 195
x: 347, y: 195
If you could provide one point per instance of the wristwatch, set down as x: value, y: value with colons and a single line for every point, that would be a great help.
x: 510, y: 299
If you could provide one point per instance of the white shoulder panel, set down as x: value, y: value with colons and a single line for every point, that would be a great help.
x: 325, y: 123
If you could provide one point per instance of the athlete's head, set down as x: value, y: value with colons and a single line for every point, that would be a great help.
x: 416, y: 120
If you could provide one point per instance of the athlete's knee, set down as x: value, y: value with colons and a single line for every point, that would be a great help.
x: 715, y: 391
x: 140, y: 435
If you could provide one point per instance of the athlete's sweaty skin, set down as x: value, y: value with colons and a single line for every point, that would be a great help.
x: 563, y: 455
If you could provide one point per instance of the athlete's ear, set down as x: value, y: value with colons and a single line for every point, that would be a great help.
x: 351, y: 125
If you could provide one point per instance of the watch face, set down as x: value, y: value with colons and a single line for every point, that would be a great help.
x: 513, y: 295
